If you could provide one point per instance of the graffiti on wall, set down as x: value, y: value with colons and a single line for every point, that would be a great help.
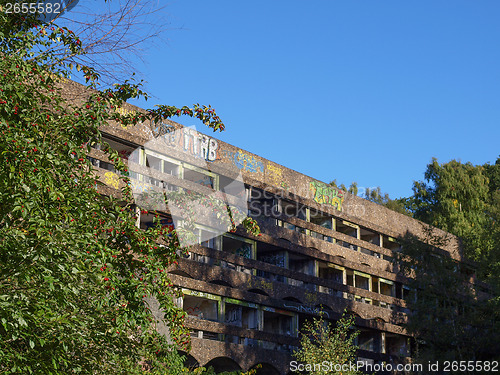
x: 244, y: 251
x: 160, y: 128
x: 275, y: 174
x: 248, y: 162
x: 306, y: 309
x: 276, y: 259
x: 202, y: 309
x: 195, y: 311
x: 125, y: 112
x: 188, y: 140
x: 200, y: 294
x: 327, y: 194
x: 244, y: 161
x: 140, y: 187
x: 233, y: 315
x: 206, y: 181
x: 111, y: 179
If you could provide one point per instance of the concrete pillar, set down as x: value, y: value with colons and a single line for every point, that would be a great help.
x: 260, y: 319
x: 138, y: 214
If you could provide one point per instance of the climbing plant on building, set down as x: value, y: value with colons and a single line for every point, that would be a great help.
x: 75, y: 271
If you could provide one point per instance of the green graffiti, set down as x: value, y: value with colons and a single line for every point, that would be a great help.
x: 326, y: 194
x: 245, y: 251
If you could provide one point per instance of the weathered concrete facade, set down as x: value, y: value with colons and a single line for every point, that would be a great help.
x: 320, y: 248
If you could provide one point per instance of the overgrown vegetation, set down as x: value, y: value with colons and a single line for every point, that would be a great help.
x: 456, y: 309
x: 325, y: 349
x: 455, y: 312
x: 75, y: 271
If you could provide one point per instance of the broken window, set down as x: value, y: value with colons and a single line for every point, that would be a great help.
x: 396, y: 345
x: 387, y: 258
x: 270, y: 276
x: 366, y: 340
x: 293, y: 209
x: 200, y: 176
x: 262, y: 203
x: 358, y: 279
x: 153, y: 162
x: 272, y: 254
x: 328, y: 271
x: 101, y: 164
x: 332, y: 272
x: 369, y: 236
x: 148, y: 221
x: 317, y: 235
x: 346, y: 227
x: 170, y: 168
x: 201, y: 307
x: 350, y: 277
x: 387, y: 287
x: 123, y: 148
x: 279, y: 323
x: 302, y: 263
x: 160, y: 164
x: 241, y: 314
x: 208, y: 238
x: 366, y: 251
x: 238, y: 245
x: 362, y: 281
x: 390, y: 243
x: 406, y: 292
x: 234, y: 186
x: 322, y: 219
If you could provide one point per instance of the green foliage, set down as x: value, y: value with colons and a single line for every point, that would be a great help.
x: 448, y: 320
x: 75, y: 271
x: 454, y: 315
x: 458, y: 198
x: 443, y: 306
x: 320, y: 341
x: 74, y: 268
x: 376, y: 196
x: 452, y: 318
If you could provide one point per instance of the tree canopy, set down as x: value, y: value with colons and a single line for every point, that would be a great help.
x: 455, y: 314
x: 462, y: 199
x: 454, y: 305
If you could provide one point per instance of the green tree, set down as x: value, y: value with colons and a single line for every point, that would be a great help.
x: 320, y: 342
x: 376, y: 196
x: 490, y: 262
x: 455, y: 315
x: 458, y: 198
x: 75, y: 271
x: 449, y: 318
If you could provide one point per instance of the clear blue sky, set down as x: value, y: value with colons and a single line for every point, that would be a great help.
x: 365, y: 91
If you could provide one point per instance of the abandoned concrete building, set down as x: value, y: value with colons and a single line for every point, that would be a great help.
x: 320, y: 249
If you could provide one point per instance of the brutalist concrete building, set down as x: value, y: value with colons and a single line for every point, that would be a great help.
x: 321, y: 249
